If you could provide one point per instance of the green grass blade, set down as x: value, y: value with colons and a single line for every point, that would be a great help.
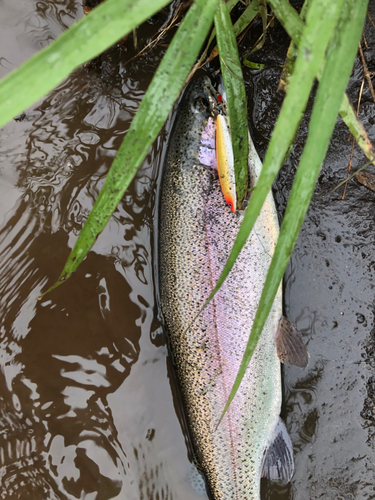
x: 291, y: 55
x: 262, y: 9
x: 355, y: 126
x: 242, y: 22
x: 87, y: 38
x: 246, y: 17
x: 289, y: 18
x: 310, y: 57
x: 294, y: 27
x: 236, y: 96
x: 339, y: 63
x: 316, y: 35
x: 231, y: 4
x: 150, y: 117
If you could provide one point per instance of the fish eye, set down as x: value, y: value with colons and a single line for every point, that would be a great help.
x: 204, y: 102
x: 201, y: 104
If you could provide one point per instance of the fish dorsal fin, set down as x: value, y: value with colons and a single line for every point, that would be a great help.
x: 290, y: 346
x: 278, y: 464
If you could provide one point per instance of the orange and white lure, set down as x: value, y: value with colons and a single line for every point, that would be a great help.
x: 225, y: 162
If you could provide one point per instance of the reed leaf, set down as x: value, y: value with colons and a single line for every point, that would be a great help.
x: 355, y: 126
x: 338, y: 66
x: 289, y: 18
x: 294, y: 27
x: 239, y: 26
x: 86, y: 39
x: 236, y: 96
x: 150, y: 117
x: 321, y: 22
x: 291, y: 55
x: 246, y: 17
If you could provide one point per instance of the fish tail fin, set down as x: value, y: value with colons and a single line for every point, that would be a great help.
x: 278, y: 463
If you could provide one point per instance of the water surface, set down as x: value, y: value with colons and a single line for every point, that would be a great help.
x: 89, y: 408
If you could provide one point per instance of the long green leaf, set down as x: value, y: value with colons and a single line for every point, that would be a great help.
x: 150, y: 117
x: 320, y: 24
x: 262, y: 8
x: 87, y: 38
x: 337, y: 69
x: 355, y: 126
x: 291, y: 55
x: 236, y: 96
x: 289, y: 18
x: 246, y: 17
x: 242, y: 22
x: 294, y: 27
x: 310, y: 56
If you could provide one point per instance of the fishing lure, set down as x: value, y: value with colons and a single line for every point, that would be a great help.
x: 225, y: 162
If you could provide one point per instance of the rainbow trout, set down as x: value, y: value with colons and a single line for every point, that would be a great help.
x: 196, y: 233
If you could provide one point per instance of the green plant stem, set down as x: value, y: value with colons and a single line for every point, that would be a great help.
x: 86, y: 39
x: 150, y: 117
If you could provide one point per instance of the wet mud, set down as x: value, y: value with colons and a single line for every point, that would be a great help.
x: 89, y: 408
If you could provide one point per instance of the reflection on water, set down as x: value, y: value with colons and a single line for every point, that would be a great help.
x: 27, y: 27
x: 62, y: 357
x: 86, y: 407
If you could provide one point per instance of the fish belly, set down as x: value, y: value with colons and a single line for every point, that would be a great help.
x: 197, y: 231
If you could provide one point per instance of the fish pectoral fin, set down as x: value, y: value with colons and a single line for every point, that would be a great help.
x: 290, y: 346
x: 278, y: 464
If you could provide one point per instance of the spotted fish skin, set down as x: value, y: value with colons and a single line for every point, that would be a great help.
x: 196, y: 233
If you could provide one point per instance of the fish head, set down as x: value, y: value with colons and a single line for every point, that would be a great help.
x: 195, y: 125
x: 202, y: 136
x: 203, y: 99
x: 215, y: 148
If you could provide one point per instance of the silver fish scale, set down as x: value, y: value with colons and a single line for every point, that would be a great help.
x: 197, y: 231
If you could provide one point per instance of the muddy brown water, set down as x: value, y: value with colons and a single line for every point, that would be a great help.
x: 88, y: 404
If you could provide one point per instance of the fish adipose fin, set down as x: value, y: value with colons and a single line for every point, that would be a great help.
x: 290, y: 346
x: 278, y: 464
